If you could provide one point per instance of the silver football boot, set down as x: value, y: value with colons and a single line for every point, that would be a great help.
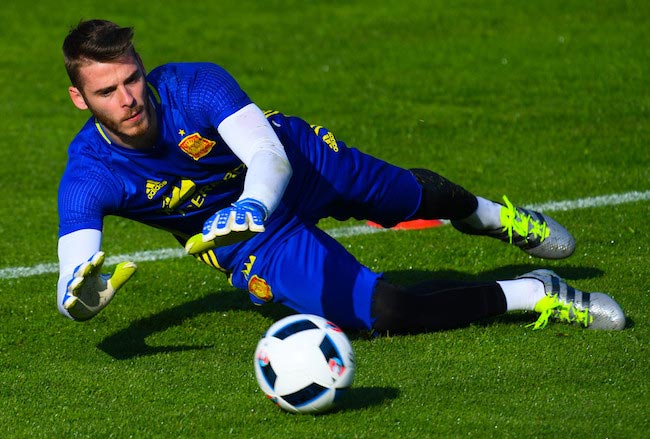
x: 566, y: 304
x: 533, y: 232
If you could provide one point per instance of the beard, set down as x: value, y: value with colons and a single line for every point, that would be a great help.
x: 135, y: 129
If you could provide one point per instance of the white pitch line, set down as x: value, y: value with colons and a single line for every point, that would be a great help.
x: 340, y: 232
x: 585, y: 203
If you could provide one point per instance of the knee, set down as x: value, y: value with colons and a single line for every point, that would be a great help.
x: 388, y: 309
x: 441, y: 198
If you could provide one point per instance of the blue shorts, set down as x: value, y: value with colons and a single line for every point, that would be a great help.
x: 294, y: 262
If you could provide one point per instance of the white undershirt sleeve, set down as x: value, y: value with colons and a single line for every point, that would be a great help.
x: 250, y: 136
x: 74, y: 248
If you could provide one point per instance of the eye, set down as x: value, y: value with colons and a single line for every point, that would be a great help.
x: 105, y: 92
x: 133, y: 78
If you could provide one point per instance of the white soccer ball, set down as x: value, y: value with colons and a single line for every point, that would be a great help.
x: 304, y: 363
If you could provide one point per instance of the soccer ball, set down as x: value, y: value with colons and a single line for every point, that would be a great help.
x: 304, y: 363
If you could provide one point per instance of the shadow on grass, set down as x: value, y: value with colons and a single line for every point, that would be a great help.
x: 357, y: 398
x: 131, y: 341
x: 571, y: 274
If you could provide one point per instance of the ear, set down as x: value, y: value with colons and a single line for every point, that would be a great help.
x: 77, y: 98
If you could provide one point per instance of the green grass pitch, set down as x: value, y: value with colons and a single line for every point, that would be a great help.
x: 543, y: 101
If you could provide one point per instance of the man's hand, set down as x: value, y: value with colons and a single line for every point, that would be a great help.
x: 242, y: 216
x: 196, y: 245
x: 89, y: 291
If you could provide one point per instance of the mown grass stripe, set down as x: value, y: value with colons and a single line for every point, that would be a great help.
x: 340, y: 232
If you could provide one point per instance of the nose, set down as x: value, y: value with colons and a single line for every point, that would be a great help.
x: 127, y: 99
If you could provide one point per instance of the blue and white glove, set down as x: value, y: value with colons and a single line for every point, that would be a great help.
x: 247, y: 215
x: 89, y: 291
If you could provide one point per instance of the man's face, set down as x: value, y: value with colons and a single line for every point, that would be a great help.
x: 116, y: 94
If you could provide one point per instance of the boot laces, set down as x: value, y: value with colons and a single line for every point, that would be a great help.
x: 515, y: 221
x: 552, y: 307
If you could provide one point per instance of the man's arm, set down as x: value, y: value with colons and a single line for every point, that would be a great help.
x: 82, y: 290
x: 250, y: 136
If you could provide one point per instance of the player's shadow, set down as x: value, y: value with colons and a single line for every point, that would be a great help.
x: 131, y: 341
x: 570, y: 273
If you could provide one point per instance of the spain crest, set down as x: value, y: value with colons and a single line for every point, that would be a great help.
x: 196, y: 146
x: 259, y: 288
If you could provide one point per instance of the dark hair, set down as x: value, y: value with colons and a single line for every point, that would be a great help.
x: 95, y: 40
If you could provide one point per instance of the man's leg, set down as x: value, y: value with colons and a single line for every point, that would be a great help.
x: 533, y: 232
x: 440, y: 304
x: 442, y: 199
x: 434, y: 305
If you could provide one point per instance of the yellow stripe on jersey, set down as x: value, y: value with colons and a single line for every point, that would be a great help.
x: 101, y: 131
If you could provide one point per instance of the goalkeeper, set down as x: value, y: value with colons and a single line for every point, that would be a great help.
x: 185, y: 149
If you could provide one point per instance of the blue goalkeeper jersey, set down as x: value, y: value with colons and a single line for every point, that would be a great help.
x: 189, y: 174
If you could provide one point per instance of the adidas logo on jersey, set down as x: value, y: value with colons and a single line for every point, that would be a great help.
x: 153, y: 187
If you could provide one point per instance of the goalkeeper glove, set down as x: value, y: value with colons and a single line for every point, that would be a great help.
x: 89, y: 291
x: 241, y: 216
x: 196, y: 245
